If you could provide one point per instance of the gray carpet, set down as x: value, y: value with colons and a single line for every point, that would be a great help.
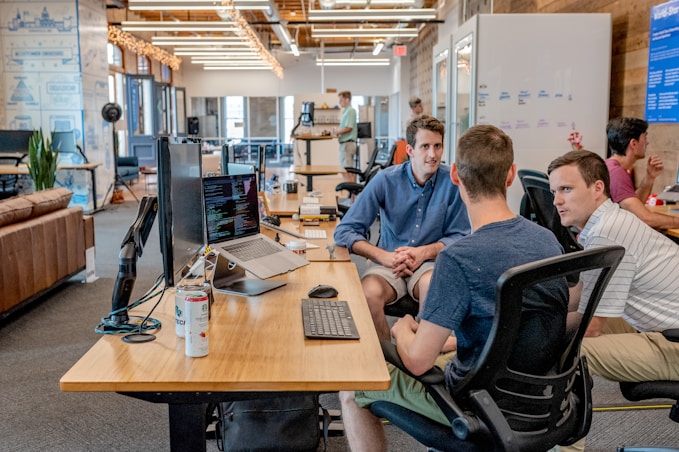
x: 40, y: 343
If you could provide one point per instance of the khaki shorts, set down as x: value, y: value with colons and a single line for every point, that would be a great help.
x: 407, y: 392
x: 347, y: 151
x: 402, y: 286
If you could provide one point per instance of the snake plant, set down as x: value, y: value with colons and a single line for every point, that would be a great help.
x: 42, y: 161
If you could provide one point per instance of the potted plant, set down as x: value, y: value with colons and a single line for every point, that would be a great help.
x: 42, y: 161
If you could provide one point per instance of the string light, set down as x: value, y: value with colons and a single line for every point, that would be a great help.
x: 140, y: 47
x: 246, y: 32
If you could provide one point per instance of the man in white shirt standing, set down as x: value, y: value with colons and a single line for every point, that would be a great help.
x: 644, y: 290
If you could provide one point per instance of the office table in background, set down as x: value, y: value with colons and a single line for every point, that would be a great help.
x: 320, y: 254
x: 673, y: 210
x: 317, y: 170
x: 91, y: 167
x: 308, y: 139
x: 245, y: 358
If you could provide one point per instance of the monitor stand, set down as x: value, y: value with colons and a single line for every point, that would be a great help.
x: 230, y: 278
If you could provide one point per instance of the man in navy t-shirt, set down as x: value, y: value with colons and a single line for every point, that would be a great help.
x: 461, y: 296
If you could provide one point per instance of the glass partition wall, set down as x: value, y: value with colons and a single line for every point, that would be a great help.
x: 248, y: 122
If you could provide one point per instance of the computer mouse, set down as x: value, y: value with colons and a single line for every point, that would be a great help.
x: 272, y: 219
x: 323, y: 291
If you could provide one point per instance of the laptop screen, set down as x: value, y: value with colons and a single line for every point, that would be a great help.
x: 231, y: 207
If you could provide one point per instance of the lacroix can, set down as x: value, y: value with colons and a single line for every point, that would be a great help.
x: 181, y: 292
x: 196, y: 313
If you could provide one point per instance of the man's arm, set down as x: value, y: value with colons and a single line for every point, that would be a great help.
x: 654, y: 167
x: 418, y: 344
x: 374, y: 253
x: 653, y: 219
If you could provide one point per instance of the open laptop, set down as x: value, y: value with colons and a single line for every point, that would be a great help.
x: 232, y: 225
x: 672, y: 193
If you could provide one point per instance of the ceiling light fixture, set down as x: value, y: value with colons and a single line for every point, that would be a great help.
x: 197, y: 41
x: 213, y: 54
x: 245, y: 31
x: 236, y: 68
x: 364, y: 32
x: 379, y: 45
x: 352, y: 61
x: 294, y: 49
x: 397, y: 15
x: 172, y: 26
x: 195, y: 5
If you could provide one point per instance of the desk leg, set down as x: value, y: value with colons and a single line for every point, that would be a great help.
x: 94, y: 189
x: 187, y: 427
x: 308, y: 152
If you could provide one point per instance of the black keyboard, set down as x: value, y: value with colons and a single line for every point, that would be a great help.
x: 328, y: 319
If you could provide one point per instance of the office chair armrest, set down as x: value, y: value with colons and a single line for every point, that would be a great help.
x: 671, y: 335
x: 352, y: 170
x: 495, y: 421
x: 464, y: 425
x: 351, y: 187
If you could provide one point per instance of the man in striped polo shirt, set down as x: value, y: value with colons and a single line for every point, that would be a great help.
x: 644, y: 290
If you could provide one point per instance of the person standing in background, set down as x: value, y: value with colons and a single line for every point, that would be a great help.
x: 346, y: 135
x: 416, y: 107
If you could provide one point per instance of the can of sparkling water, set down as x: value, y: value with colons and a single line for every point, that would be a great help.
x: 196, y: 313
x: 181, y: 292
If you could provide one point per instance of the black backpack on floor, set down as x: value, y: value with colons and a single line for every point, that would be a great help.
x: 288, y: 423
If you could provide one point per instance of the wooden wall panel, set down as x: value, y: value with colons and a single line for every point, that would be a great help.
x: 629, y: 66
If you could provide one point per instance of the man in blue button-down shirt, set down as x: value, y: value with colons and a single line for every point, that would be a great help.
x: 420, y: 213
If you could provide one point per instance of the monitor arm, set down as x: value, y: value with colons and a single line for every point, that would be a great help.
x: 299, y: 121
x: 131, y: 249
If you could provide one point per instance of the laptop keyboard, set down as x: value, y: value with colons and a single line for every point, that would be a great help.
x: 315, y: 234
x: 328, y: 319
x: 252, y: 249
x: 674, y: 189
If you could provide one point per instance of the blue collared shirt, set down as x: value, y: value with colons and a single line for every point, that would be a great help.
x: 410, y: 215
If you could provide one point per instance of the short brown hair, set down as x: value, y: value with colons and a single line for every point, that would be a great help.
x: 345, y: 94
x: 414, y: 101
x: 483, y: 158
x: 590, y: 165
x: 425, y: 122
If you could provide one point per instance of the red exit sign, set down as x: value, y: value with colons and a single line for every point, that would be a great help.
x: 400, y: 50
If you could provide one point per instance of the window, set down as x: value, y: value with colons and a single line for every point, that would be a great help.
x: 115, y: 55
x: 165, y: 73
x: 143, y: 65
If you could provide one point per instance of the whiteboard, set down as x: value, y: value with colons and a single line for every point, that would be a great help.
x: 539, y: 77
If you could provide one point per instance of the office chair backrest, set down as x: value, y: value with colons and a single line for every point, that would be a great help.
x: 526, y: 209
x: 532, y: 173
x: 542, y: 205
x: 536, y: 406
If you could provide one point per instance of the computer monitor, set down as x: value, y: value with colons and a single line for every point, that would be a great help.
x: 65, y: 144
x: 364, y: 130
x: 261, y: 168
x: 180, y: 207
x: 308, y: 114
x: 15, y: 140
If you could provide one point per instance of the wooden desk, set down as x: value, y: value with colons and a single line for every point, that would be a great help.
x: 319, y: 254
x: 91, y: 167
x: 317, y: 170
x: 308, y: 139
x: 672, y: 209
x: 256, y: 344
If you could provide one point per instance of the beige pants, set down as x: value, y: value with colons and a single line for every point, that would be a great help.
x: 621, y: 355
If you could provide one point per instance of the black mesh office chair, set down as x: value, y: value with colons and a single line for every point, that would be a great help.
x: 497, y: 408
x: 354, y: 188
x: 542, y: 205
x: 9, y: 182
x: 645, y: 390
x: 526, y: 210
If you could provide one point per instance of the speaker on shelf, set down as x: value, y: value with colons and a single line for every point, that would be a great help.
x: 193, y: 125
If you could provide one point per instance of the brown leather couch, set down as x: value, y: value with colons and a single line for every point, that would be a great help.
x: 42, y: 244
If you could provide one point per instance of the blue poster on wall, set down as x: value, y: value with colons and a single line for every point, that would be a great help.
x: 662, y: 89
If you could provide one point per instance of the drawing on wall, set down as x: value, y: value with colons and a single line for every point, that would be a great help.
x: 42, y: 23
x: 22, y: 93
